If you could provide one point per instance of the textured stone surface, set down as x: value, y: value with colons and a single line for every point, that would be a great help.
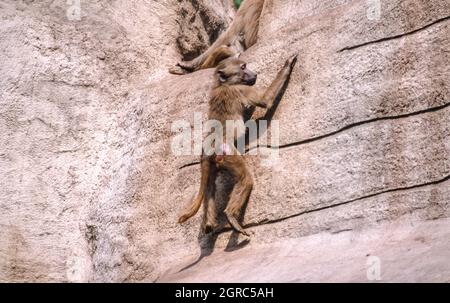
x: 90, y: 190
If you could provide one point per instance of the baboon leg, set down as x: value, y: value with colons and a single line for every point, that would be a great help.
x: 241, y: 191
x: 225, y: 40
x: 219, y: 54
x: 210, y: 214
x: 197, y: 202
x: 241, y: 35
x: 233, y: 38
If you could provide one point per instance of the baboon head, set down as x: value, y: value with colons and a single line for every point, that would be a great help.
x: 234, y: 71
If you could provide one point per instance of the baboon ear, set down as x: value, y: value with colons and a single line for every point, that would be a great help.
x: 222, y: 76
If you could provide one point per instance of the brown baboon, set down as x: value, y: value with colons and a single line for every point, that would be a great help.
x: 241, y: 35
x: 232, y: 94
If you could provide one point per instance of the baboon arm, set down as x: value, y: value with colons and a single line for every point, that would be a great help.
x: 266, y: 99
x: 260, y: 98
x: 275, y: 87
x: 251, y: 96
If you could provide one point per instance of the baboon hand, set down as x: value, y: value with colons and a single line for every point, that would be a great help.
x: 177, y: 70
x: 187, y: 65
x: 290, y: 62
x: 182, y: 68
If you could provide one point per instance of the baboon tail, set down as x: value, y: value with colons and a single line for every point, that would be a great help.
x: 197, y: 202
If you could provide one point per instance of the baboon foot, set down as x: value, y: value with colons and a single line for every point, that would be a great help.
x: 236, y: 226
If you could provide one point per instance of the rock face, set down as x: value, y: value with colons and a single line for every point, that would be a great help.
x: 91, y: 191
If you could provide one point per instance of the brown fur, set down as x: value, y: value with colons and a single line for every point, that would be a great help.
x: 241, y: 35
x: 232, y: 94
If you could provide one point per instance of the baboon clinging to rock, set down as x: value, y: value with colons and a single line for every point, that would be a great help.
x: 241, y: 35
x: 232, y: 94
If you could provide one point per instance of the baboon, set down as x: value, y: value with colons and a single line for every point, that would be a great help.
x: 232, y: 94
x: 241, y: 35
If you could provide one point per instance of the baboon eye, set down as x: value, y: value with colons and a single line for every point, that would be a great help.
x: 243, y: 66
x: 222, y: 76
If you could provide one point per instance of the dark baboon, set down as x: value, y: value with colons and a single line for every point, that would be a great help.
x: 232, y: 94
x: 241, y: 35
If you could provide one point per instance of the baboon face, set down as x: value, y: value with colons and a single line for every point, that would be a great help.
x: 234, y: 71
